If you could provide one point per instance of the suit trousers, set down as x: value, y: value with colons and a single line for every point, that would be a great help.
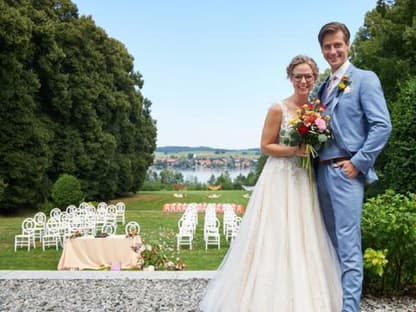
x: 341, y: 200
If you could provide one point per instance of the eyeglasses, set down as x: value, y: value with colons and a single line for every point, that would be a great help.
x: 298, y: 77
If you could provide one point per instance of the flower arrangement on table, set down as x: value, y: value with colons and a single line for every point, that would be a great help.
x: 312, y: 128
x: 157, y: 256
x: 75, y: 234
x: 132, y: 233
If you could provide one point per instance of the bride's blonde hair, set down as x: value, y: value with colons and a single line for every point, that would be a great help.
x: 302, y: 59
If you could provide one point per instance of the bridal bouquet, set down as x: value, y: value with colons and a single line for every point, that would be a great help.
x: 312, y: 128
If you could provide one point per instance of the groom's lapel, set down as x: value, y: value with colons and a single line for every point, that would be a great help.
x: 333, y: 96
x: 321, y: 90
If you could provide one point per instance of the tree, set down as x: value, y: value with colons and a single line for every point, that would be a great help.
x: 386, y: 43
x: 169, y: 176
x: 399, y: 173
x: 71, y: 103
x: 24, y: 134
x: 212, y: 180
x: 225, y: 180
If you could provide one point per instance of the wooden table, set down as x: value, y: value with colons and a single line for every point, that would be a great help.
x: 90, y: 252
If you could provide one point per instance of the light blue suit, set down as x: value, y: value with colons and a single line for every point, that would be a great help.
x: 361, y: 126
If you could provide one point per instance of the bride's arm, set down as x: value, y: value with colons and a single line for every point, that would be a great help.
x: 270, y: 136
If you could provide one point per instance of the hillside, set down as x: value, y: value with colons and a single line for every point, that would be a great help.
x: 203, y: 149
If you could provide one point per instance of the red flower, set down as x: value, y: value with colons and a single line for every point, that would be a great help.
x: 303, y: 130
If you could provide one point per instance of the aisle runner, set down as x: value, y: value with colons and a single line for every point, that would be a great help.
x: 181, y: 207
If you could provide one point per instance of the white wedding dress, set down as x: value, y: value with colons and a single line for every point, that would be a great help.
x: 282, y: 258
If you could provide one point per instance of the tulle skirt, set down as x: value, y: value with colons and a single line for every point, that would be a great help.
x: 282, y: 258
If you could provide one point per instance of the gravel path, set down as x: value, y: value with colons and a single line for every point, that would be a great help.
x: 129, y: 295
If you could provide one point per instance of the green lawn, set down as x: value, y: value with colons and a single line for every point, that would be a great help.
x: 145, y: 208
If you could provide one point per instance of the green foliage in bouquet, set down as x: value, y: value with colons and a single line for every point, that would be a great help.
x: 389, y: 223
x: 290, y: 137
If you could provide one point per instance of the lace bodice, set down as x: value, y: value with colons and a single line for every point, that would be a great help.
x: 285, y: 135
x: 287, y: 138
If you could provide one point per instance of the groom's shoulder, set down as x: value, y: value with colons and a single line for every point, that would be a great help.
x: 363, y: 73
x: 366, y: 78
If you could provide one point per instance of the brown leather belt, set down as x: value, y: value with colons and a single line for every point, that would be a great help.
x: 332, y: 160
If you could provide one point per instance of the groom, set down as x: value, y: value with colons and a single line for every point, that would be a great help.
x: 361, y: 127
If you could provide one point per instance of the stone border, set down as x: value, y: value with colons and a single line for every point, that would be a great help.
x: 97, y: 275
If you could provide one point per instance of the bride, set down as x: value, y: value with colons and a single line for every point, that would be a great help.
x: 282, y: 258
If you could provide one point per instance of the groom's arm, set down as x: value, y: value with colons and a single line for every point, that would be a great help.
x: 377, y: 116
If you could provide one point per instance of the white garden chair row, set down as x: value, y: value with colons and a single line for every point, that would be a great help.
x: 82, y: 220
x: 211, y: 227
x: 119, y: 209
x: 187, y: 227
x: 231, y: 223
x: 52, y: 234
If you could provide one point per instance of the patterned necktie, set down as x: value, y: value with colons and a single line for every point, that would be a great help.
x: 331, y: 84
x: 329, y: 87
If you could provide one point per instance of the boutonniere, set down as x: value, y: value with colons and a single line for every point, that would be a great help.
x: 344, y: 85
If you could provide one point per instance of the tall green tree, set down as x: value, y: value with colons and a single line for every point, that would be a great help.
x: 24, y: 135
x: 71, y: 102
x: 399, y: 172
x: 386, y: 44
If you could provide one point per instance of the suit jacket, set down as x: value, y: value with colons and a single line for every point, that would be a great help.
x: 360, y: 120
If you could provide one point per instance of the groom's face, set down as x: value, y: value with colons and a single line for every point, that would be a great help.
x: 335, y: 49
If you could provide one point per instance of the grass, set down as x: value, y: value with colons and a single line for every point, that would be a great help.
x: 146, y: 209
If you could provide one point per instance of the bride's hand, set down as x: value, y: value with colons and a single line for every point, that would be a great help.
x: 300, y: 151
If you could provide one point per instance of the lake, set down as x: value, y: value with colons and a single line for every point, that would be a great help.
x: 203, y: 175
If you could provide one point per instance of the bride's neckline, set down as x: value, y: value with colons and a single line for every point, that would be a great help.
x: 291, y: 113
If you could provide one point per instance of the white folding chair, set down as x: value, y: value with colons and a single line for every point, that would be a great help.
x: 212, y: 233
x: 40, y: 221
x: 27, y: 237
x: 185, y: 235
x: 55, y: 213
x: 235, y: 228
x: 121, y: 212
x: 109, y: 229
x: 132, y: 228
x: 51, y: 237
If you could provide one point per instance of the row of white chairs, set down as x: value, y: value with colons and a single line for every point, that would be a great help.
x: 82, y: 220
x: 118, y: 210
x: 211, y: 227
x: 231, y: 223
x: 211, y: 231
x: 52, y: 237
x: 187, y: 227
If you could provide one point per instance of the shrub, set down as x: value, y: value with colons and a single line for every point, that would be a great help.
x: 152, y: 186
x: 67, y: 191
x: 388, y: 224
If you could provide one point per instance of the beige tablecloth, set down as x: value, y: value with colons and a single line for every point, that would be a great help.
x: 95, y: 253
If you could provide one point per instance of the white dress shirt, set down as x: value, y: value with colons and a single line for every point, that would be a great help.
x: 335, y: 77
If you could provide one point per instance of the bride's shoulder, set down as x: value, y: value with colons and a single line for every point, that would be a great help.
x: 276, y: 108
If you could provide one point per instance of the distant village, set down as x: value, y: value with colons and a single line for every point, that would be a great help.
x: 194, y: 161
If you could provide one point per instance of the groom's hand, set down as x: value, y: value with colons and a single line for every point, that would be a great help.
x: 349, y: 169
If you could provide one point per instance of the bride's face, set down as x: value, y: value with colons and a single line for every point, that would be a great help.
x: 302, y: 79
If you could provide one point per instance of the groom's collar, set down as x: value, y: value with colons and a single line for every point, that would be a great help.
x: 341, y: 70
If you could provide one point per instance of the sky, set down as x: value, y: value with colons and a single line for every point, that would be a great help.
x: 213, y: 68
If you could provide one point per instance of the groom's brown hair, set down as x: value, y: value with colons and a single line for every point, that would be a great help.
x: 332, y: 28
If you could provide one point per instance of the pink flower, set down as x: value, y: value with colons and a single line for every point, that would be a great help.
x: 321, y: 124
